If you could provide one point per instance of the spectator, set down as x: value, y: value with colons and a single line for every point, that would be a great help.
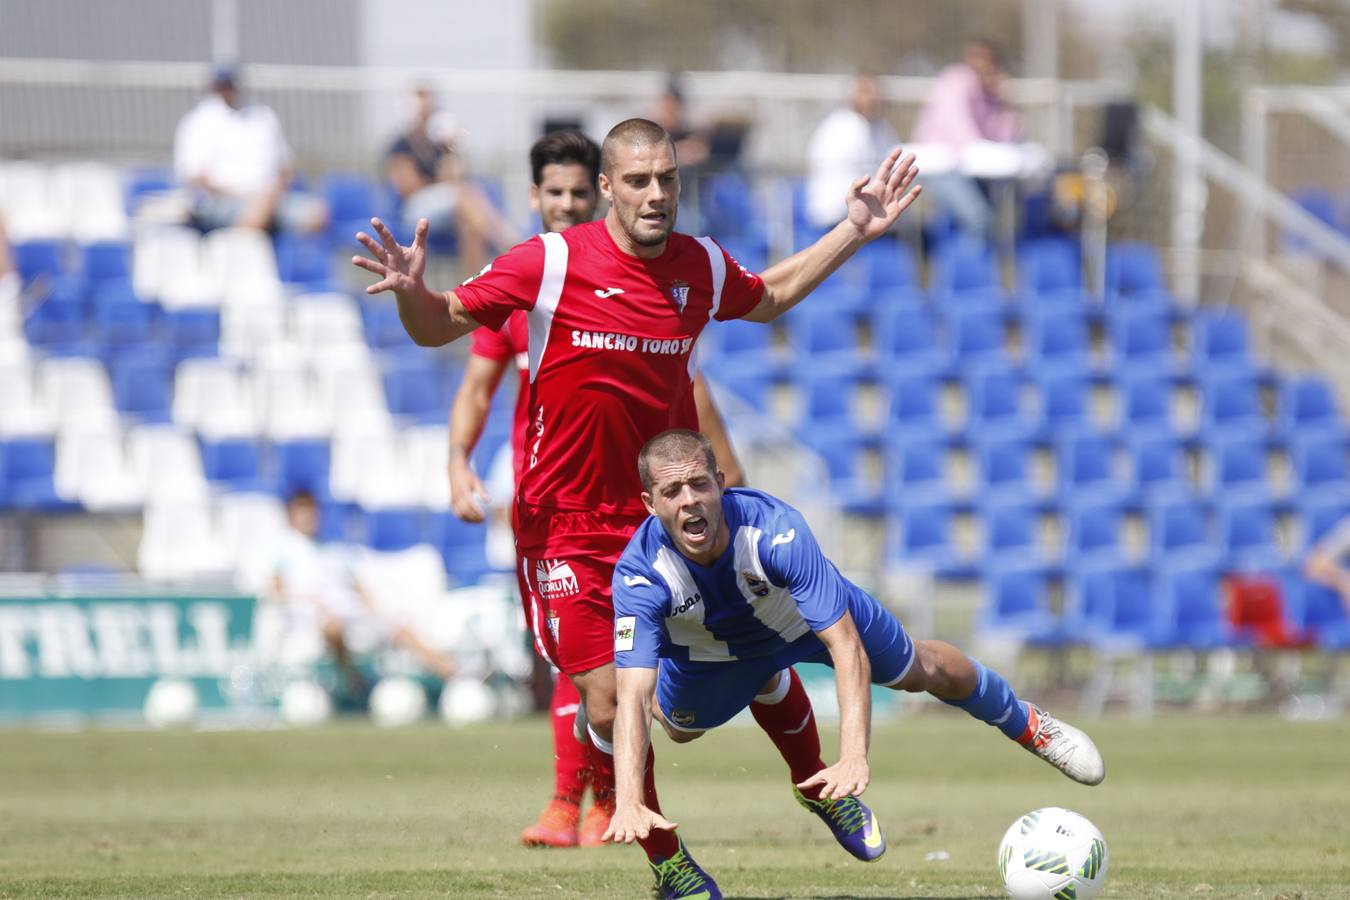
x: 966, y: 106
x: 235, y: 160
x: 424, y: 168
x: 691, y: 145
x: 843, y: 148
x: 1325, y: 563
x: 316, y: 590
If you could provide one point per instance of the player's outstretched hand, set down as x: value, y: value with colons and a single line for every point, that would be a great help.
x: 400, y: 268
x: 846, y: 778
x: 875, y: 202
x: 467, y: 492
x: 631, y: 823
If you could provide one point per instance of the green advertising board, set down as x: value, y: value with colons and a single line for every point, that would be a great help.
x: 97, y: 655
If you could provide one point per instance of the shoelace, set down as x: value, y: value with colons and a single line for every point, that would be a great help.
x: 1048, y: 739
x: 846, y: 813
x: 678, y: 872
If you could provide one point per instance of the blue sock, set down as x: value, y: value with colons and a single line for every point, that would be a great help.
x: 994, y: 703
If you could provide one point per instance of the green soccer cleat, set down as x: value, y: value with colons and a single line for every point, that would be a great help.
x: 853, y: 825
x: 680, y: 878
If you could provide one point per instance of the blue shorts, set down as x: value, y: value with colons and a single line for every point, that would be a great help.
x: 702, y: 695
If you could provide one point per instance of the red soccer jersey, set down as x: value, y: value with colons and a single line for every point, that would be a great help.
x: 610, y: 338
x: 511, y: 344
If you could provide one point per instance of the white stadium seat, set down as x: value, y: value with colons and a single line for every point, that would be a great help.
x: 179, y: 542
x: 250, y: 526
x: 324, y: 320
x: 167, y: 462
x: 26, y: 202
x: 88, y: 197
x: 428, y: 449
x: 238, y: 256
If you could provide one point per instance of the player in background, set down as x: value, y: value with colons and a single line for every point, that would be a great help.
x: 720, y: 593
x: 614, y: 310
x: 564, y: 168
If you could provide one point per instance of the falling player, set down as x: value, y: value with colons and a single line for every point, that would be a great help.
x: 719, y: 594
x: 614, y: 308
x: 564, y: 166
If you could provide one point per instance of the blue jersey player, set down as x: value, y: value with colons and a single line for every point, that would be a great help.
x: 715, y: 598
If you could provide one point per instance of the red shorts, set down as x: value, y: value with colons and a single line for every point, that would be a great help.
x: 565, y: 584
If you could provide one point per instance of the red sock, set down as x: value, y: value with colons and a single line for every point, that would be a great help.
x: 659, y: 844
x: 570, y: 770
x: 788, y: 720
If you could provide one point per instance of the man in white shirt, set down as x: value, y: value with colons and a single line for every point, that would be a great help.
x: 843, y: 147
x: 236, y: 161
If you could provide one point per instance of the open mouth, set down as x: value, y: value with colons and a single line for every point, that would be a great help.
x: 654, y: 218
x: 695, y: 527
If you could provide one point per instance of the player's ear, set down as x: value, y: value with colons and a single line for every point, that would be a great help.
x: 534, y: 197
x: 606, y: 189
x: 721, y: 480
x: 647, y: 502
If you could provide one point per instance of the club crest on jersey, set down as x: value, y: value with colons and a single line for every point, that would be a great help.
x: 682, y: 717
x: 678, y: 292
x: 758, y: 586
x: 555, y: 580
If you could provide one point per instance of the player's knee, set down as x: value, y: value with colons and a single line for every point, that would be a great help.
x: 600, y: 711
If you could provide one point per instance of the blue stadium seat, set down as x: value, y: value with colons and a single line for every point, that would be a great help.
x: 925, y: 536
x: 143, y: 181
x: 750, y: 250
x: 1004, y: 467
x: 351, y: 199
x: 1247, y: 534
x: 828, y: 403
x: 916, y: 473
x: 1010, y: 537
x: 1222, y: 344
x: 890, y: 265
x: 141, y: 385
x: 977, y: 339
x: 59, y: 319
x: 1231, y: 409
x: 1317, y: 612
x: 743, y: 347
x: 907, y: 340
x: 1142, y: 340
x: 1179, y: 535
x: 1239, y: 473
x: 1088, y: 472
x: 995, y: 399
x: 846, y: 459
x: 1146, y: 405
x: 462, y: 546
x: 1191, y: 613
x: 417, y: 390
x: 727, y: 205
x: 233, y: 463
x: 1133, y: 268
x: 964, y: 265
x: 394, y: 528
x: 1159, y: 467
x: 1058, y: 341
x: 120, y: 317
x: 822, y: 336
x: 1320, y: 466
x: 304, y: 260
x: 193, y: 332
x: 1049, y: 267
x: 1308, y: 406
x: 1065, y: 408
x: 38, y: 258
x: 1318, y: 516
x: 105, y: 261
x: 913, y: 409
x: 1095, y: 534
x: 1017, y: 603
x: 303, y: 465
x: 804, y: 231
x: 26, y: 466
x: 1109, y: 607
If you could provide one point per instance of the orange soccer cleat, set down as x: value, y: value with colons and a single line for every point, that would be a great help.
x: 556, y: 827
x: 594, y: 826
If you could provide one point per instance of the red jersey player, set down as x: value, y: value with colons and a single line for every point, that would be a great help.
x: 564, y: 167
x: 614, y: 308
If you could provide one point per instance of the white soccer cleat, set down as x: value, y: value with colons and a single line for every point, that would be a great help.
x: 1063, y: 746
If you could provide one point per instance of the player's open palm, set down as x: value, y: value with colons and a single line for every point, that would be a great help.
x: 631, y: 823
x: 875, y: 203
x: 400, y: 268
x: 846, y: 778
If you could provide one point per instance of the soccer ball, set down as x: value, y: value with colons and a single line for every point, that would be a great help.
x: 397, y: 701
x: 1052, y: 854
x: 171, y: 703
x: 305, y: 704
x: 467, y: 700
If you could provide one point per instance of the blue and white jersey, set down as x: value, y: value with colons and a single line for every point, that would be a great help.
x: 772, y: 589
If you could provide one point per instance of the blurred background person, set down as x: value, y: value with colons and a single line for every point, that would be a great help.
x: 234, y: 159
x: 1326, y: 561
x: 845, y: 146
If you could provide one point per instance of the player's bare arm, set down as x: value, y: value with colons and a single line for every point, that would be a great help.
x: 712, y: 425
x: 853, y: 681
x: 874, y: 203
x: 431, y: 319
x: 468, y: 413
x: 632, y: 819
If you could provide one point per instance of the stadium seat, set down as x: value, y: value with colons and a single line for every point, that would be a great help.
x: 303, y: 465
x: 76, y: 390
x: 145, y: 182
x: 1239, y: 473
x: 461, y: 544
x: 59, y: 319
x: 168, y: 464
x: 304, y: 261
x: 1307, y: 406
x: 1011, y: 531
x: 393, y: 529
x: 141, y: 387
x: 1133, y: 268
x: 727, y: 205
x: 743, y: 346
x: 908, y: 342
x: 916, y: 473
x: 1058, y: 341
x: 820, y: 336
x: 1231, y: 409
x: 922, y: 534
x: 1317, y: 516
x: 1159, y: 467
x: 846, y: 458
x: 383, y: 327
x: 105, y: 261
x: 194, y: 333
x: 889, y: 264
x: 1146, y: 406
x: 1049, y: 267
x: 352, y: 201
x: 1088, y: 473
x: 1179, y: 535
x: 1005, y: 471
x: 1095, y: 534
x: 977, y: 339
x: 913, y: 409
x: 963, y: 265
x: 1109, y: 608
x: 417, y: 391
x: 1017, y: 604
x: 1142, y: 341
x: 180, y: 542
x: 1318, y: 613
x: 1320, y: 466
x: 1222, y: 344
x: 27, y: 466
x: 250, y: 526
x: 1247, y: 534
x: 232, y: 463
x: 829, y: 400
x: 1191, y: 615
x: 92, y: 469
x: 997, y: 408
x: 39, y: 259
x: 120, y: 317
x: 1065, y: 410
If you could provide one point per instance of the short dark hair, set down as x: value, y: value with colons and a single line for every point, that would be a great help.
x: 672, y: 446
x: 301, y: 496
x: 631, y: 133
x: 564, y: 148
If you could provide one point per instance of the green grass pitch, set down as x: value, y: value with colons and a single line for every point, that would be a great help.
x: 1191, y: 807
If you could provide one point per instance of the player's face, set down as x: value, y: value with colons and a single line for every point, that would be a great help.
x: 686, y: 496
x: 643, y: 190
x: 565, y: 196
x: 304, y: 517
